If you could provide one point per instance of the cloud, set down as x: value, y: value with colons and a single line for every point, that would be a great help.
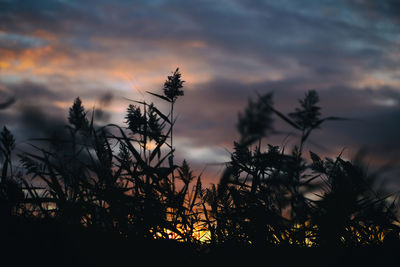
x: 250, y: 41
x: 208, y: 114
x: 54, y: 51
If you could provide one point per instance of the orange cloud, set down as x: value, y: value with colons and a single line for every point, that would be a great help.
x: 46, y: 35
x: 377, y: 80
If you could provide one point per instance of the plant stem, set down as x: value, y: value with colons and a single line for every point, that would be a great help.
x: 172, y: 145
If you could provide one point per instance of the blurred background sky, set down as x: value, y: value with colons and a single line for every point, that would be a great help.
x: 227, y: 50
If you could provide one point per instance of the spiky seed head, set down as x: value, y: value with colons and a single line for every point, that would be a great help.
x: 173, y: 85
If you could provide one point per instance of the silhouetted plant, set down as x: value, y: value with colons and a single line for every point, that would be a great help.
x: 131, y: 191
x: 264, y: 195
x: 256, y: 121
x: 349, y: 212
x: 7, y: 144
x: 172, y: 90
x: 77, y: 115
x: 122, y: 180
x: 10, y: 190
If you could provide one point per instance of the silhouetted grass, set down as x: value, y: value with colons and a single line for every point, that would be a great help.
x: 110, y: 194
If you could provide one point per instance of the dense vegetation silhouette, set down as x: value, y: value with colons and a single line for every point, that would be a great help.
x: 107, y: 195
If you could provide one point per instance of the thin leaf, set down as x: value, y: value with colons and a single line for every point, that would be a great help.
x: 160, y: 96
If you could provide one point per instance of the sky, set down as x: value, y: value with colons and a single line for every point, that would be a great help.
x: 52, y: 51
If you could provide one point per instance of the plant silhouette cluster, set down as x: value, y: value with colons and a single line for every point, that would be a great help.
x: 123, y: 181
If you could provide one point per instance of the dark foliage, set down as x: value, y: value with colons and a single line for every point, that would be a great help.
x: 111, y: 188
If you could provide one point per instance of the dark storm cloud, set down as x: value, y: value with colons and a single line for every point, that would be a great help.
x: 32, y: 115
x: 38, y: 123
x: 374, y: 117
x: 35, y: 93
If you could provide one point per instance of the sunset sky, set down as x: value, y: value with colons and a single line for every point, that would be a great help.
x: 227, y: 50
